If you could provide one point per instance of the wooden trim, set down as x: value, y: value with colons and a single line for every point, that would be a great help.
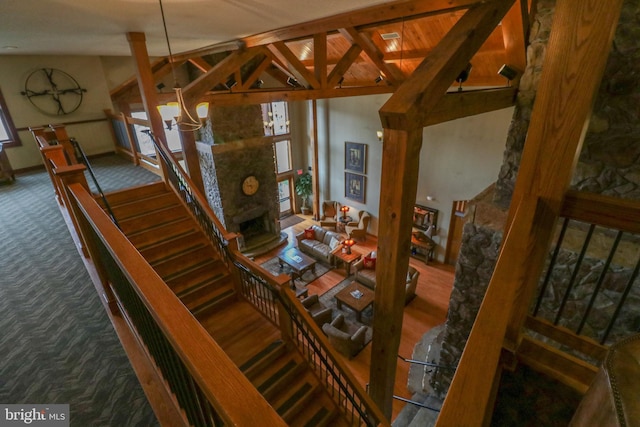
x: 76, y: 122
x: 564, y: 336
x: 221, y: 382
x: 409, y: 107
x: 607, y: 211
x: 567, y: 369
x: 320, y: 58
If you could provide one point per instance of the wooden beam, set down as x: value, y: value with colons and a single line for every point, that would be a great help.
x: 515, y: 30
x: 200, y: 64
x: 574, y: 63
x: 374, y: 14
x: 290, y: 95
x: 320, y: 59
x: 390, y: 71
x: 343, y: 65
x: 256, y: 73
x: 293, y: 64
x: 423, y: 90
x: 132, y: 81
x: 218, y: 74
x: 400, y: 164
x: 456, y: 105
x: 315, y: 181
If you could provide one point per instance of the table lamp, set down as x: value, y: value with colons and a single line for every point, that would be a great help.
x: 348, y: 243
x: 344, y: 210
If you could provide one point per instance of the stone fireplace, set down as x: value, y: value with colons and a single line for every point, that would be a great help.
x: 253, y: 215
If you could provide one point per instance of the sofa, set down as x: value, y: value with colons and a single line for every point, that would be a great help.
x: 367, y: 276
x: 320, y: 245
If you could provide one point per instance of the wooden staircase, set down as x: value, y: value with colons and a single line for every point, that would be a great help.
x: 289, y: 385
x: 163, y: 231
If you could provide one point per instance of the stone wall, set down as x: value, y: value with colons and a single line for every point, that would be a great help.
x: 609, y: 163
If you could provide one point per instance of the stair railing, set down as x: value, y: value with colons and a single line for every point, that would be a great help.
x: 278, y: 303
x: 270, y: 297
x: 207, y: 385
x: 194, y: 201
x: 81, y: 157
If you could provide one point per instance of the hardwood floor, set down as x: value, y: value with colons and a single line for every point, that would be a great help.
x: 427, y: 310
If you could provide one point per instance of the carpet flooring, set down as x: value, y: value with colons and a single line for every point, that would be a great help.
x: 57, y: 344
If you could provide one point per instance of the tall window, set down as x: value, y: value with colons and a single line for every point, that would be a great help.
x: 8, y: 133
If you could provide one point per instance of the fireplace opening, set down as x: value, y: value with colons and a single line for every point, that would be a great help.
x: 253, y: 227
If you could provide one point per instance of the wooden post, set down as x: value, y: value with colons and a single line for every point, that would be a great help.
x: 575, y: 59
x: 147, y: 87
x: 400, y: 164
x: 315, y: 182
x: 191, y: 159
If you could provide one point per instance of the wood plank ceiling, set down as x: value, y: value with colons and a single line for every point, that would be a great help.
x: 344, y: 55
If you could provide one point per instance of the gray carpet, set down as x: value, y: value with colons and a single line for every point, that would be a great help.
x: 57, y: 344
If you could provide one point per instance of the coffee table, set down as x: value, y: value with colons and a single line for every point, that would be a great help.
x: 358, y: 305
x: 299, y: 262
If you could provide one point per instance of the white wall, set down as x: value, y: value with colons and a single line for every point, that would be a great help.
x: 94, y: 137
x: 458, y: 160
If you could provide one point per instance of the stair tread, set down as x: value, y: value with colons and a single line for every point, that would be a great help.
x: 275, y: 349
x: 322, y: 411
x: 142, y: 240
x: 118, y: 197
x: 149, y: 221
x: 144, y: 205
x: 204, y: 271
x: 209, y: 299
x: 295, y: 397
x: 167, y: 248
x: 271, y: 380
x: 184, y: 261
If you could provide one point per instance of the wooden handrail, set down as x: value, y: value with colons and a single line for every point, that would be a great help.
x: 289, y: 296
x: 607, y: 211
x: 469, y: 401
x: 224, y: 386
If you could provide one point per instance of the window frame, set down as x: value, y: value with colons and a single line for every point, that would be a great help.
x: 7, y: 123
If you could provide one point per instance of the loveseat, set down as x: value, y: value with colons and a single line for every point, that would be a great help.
x: 366, y: 274
x: 320, y: 245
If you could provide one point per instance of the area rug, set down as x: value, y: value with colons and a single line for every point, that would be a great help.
x: 273, y: 266
x: 328, y: 300
x: 290, y: 221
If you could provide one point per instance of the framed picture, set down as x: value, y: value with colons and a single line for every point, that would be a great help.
x: 354, y: 186
x: 355, y: 157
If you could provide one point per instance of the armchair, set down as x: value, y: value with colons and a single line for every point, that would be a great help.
x: 330, y: 211
x: 412, y: 284
x: 358, y: 230
x: 344, y: 336
x: 318, y: 312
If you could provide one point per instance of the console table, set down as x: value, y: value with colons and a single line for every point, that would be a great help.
x: 422, y: 248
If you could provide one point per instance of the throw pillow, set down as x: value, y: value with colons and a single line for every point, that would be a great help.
x: 334, y: 243
x: 309, y: 234
x: 369, y: 263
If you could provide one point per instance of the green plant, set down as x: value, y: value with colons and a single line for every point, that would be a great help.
x: 304, y: 188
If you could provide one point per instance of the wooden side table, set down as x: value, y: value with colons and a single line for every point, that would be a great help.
x: 346, y: 259
x: 422, y: 249
x: 342, y: 221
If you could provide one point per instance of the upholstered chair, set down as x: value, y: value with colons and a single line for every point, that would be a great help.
x: 330, y: 212
x: 412, y: 284
x: 346, y: 337
x: 358, y: 229
x: 318, y: 312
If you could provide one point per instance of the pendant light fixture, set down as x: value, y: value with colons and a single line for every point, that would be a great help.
x: 177, y: 111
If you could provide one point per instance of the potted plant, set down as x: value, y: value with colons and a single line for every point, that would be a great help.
x: 304, y: 190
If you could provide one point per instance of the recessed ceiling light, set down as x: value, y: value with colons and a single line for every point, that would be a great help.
x: 10, y: 47
x: 390, y: 36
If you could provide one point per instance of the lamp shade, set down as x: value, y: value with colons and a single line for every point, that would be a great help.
x: 202, y: 110
x: 169, y: 111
